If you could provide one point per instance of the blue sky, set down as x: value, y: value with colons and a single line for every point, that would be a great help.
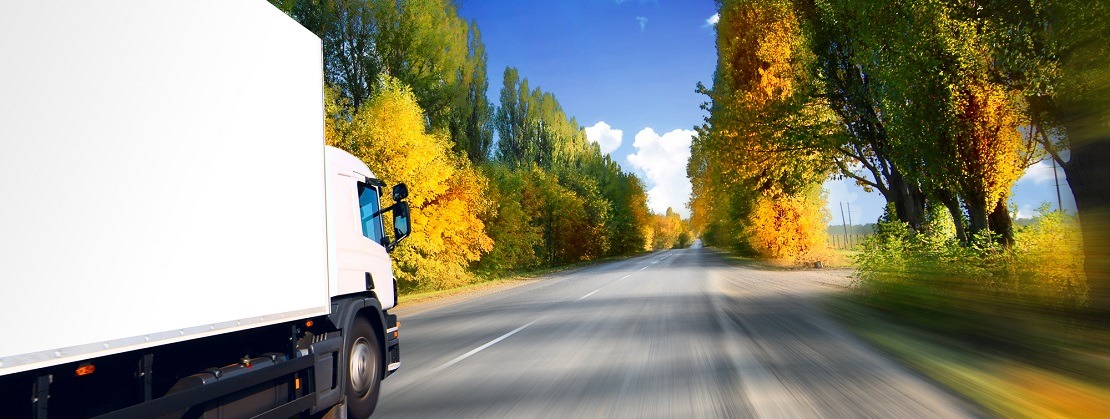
x: 632, y: 66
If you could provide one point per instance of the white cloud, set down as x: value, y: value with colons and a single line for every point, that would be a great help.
x: 712, y: 21
x: 1040, y: 173
x: 1027, y: 210
x: 643, y: 22
x: 663, y: 159
x: 605, y: 136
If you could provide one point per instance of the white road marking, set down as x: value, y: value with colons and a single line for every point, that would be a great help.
x: 480, y: 348
x: 503, y: 337
x: 587, y: 295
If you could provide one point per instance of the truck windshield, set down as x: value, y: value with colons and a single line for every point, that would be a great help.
x: 368, y: 205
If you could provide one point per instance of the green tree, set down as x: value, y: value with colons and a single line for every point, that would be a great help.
x: 510, y: 118
x: 630, y: 218
x: 471, y: 122
x: 423, y: 43
x: 516, y: 236
x: 532, y: 127
x: 1056, y: 52
x: 865, y: 152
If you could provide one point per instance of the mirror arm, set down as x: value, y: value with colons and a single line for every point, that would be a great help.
x: 383, y: 211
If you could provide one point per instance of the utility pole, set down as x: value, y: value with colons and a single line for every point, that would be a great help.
x: 842, y: 223
x: 1059, y: 202
x: 849, y: 204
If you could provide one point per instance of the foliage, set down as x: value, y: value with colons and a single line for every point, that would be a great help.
x: 756, y: 159
x: 628, y: 229
x: 934, y: 279
x: 533, y: 129
x: 931, y: 61
x: 550, y: 219
x: 789, y: 227
x: 471, y: 123
x: 593, y: 238
x: 670, y: 231
x: 446, y: 197
x: 1055, y: 236
x: 585, y: 205
x: 423, y: 43
x: 514, y: 236
x: 561, y: 216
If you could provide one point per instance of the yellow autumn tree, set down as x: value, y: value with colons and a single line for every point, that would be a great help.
x: 446, y: 194
x: 667, y: 230
x: 754, y: 163
x: 789, y: 227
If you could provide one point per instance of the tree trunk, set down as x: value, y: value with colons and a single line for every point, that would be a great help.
x: 1001, y: 225
x: 909, y: 202
x: 976, y: 217
x: 949, y: 200
x: 1088, y: 173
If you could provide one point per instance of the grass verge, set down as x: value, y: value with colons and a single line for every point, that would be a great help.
x: 833, y: 259
x: 487, y: 281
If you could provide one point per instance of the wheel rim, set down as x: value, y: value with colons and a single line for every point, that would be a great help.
x: 363, y: 366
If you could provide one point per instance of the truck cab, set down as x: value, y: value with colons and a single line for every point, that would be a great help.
x: 354, y: 199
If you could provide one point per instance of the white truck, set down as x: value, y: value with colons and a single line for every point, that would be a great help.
x: 175, y: 238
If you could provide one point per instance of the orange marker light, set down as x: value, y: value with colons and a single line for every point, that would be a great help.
x: 85, y: 370
x: 308, y: 323
x: 297, y: 383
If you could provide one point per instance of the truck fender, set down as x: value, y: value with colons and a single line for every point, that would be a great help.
x: 344, y: 310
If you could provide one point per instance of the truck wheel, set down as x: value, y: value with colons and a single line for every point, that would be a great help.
x: 364, y: 371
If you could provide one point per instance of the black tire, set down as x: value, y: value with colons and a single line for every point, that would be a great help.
x: 364, y: 369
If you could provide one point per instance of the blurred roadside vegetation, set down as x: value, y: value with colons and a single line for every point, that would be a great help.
x: 1006, y: 327
x: 939, y: 106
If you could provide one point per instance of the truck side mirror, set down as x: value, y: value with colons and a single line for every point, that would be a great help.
x: 400, y: 192
x: 402, y: 224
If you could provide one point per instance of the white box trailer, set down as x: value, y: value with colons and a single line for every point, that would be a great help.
x: 167, y: 193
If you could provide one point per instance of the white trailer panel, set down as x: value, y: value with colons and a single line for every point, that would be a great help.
x: 161, y: 176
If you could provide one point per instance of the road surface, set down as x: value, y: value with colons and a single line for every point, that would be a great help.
x: 671, y: 334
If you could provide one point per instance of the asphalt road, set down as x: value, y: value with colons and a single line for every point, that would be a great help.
x: 672, y: 334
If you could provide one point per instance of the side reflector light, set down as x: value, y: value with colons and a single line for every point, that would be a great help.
x: 86, y: 370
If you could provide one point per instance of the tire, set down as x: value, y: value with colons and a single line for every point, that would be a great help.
x: 364, y: 369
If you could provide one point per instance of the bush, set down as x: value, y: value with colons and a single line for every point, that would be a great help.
x: 789, y: 227
x: 979, y: 287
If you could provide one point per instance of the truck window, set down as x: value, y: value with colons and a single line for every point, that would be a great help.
x: 368, y: 205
